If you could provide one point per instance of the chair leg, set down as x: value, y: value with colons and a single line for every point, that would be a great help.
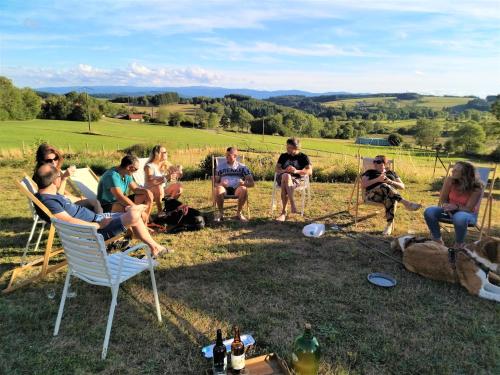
x: 155, y: 291
x: 39, y: 237
x: 114, y: 292
x: 63, y: 301
x: 303, y: 201
x: 35, y: 221
x: 273, y: 199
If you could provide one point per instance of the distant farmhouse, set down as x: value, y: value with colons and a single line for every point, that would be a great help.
x: 372, y: 141
x: 132, y: 117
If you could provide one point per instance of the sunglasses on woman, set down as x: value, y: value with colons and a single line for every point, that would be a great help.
x: 51, y: 160
x: 378, y: 161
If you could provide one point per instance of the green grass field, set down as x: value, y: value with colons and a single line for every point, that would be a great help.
x: 264, y: 276
x: 434, y: 102
x: 116, y: 134
x: 186, y: 109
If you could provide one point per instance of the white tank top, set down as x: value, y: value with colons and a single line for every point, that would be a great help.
x: 156, y: 173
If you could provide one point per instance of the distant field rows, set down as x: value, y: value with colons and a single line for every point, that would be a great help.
x: 433, y: 102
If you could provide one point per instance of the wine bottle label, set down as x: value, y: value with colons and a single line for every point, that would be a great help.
x: 220, y: 366
x: 238, y: 362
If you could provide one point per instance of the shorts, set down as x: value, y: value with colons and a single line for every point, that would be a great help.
x: 107, y: 207
x: 230, y: 190
x: 296, y: 181
x: 114, y: 228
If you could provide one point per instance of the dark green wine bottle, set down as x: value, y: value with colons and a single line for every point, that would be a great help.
x: 306, y: 353
x: 220, y: 355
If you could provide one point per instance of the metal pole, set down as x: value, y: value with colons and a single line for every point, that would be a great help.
x: 88, y: 112
x: 262, y: 129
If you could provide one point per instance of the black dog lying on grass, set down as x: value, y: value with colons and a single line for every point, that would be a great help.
x: 180, y: 217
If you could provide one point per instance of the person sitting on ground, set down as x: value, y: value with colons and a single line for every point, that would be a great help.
x: 460, y: 198
x: 156, y: 175
x: 109, y: 224
x: 291, y: 168
x: 381, y: 186
x: 48, y: 154
x: 232, y: 178
x: 116, y: 182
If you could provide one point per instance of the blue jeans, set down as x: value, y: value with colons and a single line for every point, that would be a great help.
x: 461, y: 221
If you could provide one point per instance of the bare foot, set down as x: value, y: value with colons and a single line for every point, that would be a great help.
x: 281, y: 218
x: 293, y: 210
x: 241, y: 218
x: 411, y: 206
x: 439, y: 241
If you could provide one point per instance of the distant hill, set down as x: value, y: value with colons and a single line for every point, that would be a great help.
x: 187, y: 92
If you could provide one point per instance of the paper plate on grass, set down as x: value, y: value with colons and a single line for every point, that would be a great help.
x: 382, y: 279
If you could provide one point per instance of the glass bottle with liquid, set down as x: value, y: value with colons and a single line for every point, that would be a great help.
x: 306, y: 353
x: 220, y: 355
x: 237, y: 353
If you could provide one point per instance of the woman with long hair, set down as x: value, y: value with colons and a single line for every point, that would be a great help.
x: 157, y: 173
x: 381, y: 185
x: 460, y: 197
x: 47, y: 154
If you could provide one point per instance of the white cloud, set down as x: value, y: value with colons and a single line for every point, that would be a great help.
x: 135, y: 75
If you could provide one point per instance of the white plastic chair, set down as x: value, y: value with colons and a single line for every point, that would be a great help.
x: 216, y: 160
x: 86, y: 181
x: 37, y: 220
x: 87, y: 259
x: 139, y: 175
x: 304, y: 188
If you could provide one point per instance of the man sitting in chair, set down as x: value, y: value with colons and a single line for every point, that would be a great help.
x: 109, y: 224
x: 116, y: 182
x: 232, y: 178
x: 291, y: 168
x: 381, y: 186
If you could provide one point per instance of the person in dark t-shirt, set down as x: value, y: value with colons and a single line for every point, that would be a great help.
x: 107, y: 224
x: 291, y: 168
x: 381, y: 186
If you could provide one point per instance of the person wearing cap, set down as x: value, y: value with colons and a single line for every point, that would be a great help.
x: 291, y: 168
x: 381, y: 186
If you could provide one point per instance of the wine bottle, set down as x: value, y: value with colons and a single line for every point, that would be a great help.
x: 237, y: 353
x: 219, y: 353
x: 306, y: 353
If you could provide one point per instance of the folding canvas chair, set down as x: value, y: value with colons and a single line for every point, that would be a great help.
x: 86, y: 181
x: 48, y: 254
x: 85, y: 252
x: 216, y: 160
x: 139, y: 175
x: 30, y: 186
x: 484, y: 175
x: 304, y: 188
x: 359, y: 193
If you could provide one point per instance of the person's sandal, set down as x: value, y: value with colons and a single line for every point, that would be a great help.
x: 162, y: 253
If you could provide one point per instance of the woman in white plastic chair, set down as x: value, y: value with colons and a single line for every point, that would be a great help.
x: 381, y: 186
x: 157, y: 173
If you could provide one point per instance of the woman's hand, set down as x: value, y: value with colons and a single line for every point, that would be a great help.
x: 450, y: 207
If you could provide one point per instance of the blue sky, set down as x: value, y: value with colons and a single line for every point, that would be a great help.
x: 437, y: 47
